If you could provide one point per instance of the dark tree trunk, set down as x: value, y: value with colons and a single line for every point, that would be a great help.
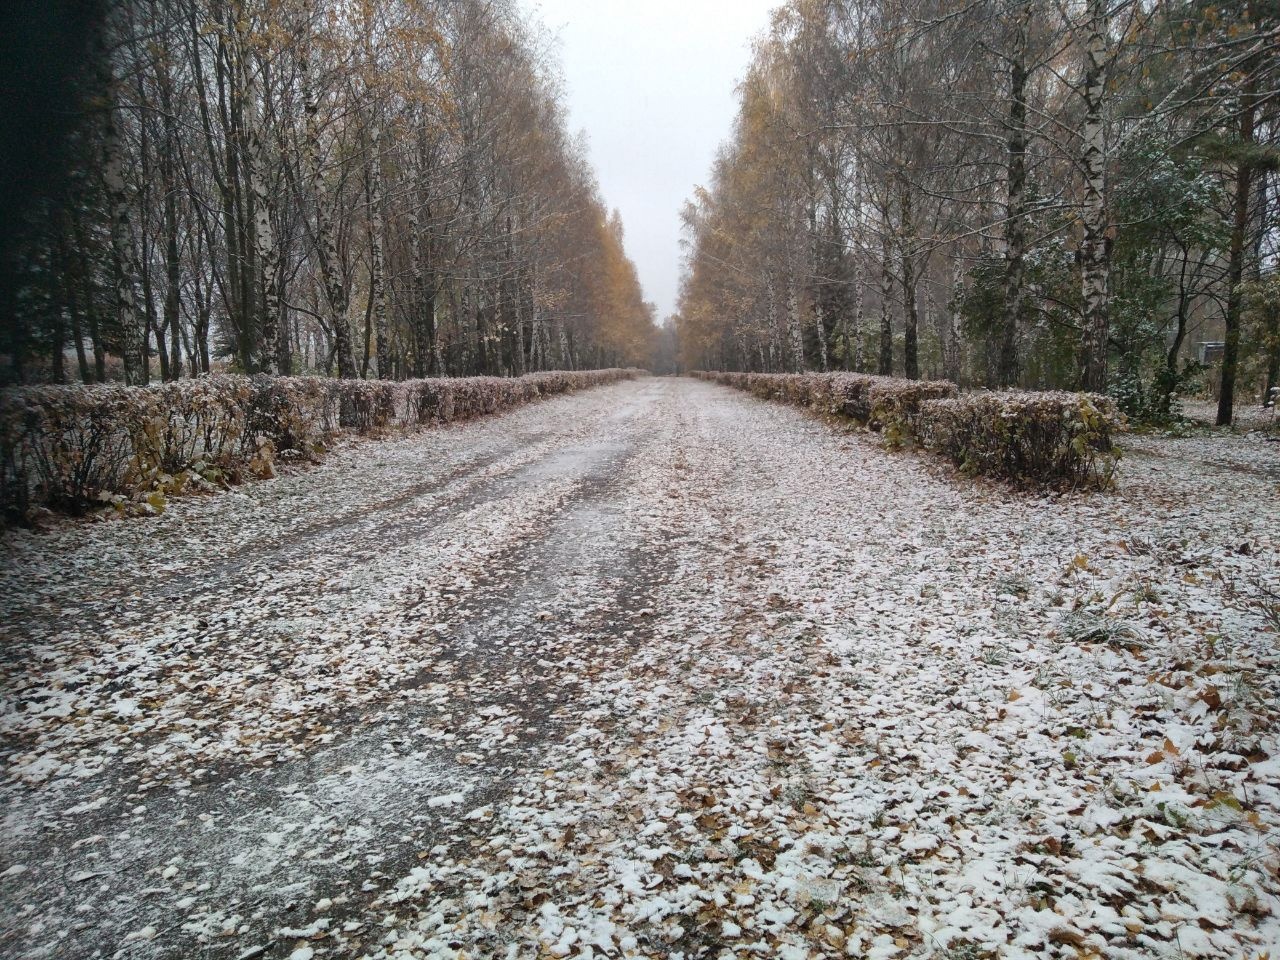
x: 1235, y: 266
x: 1015, y: 213
x: 57, y: 347
x: 885, y: 368
x: 1095, y: 247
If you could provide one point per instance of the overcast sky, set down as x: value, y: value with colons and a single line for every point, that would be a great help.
x: 651, y: 82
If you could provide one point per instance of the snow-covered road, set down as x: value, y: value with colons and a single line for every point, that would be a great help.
x: 653, y: 670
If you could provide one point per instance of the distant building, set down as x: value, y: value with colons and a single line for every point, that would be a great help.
x: 1210, y: 351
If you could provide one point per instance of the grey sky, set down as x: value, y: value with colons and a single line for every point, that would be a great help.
x: 651, y: 82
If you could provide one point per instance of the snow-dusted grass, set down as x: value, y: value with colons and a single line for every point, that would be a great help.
x: 1249, y: 414
x: 875, y: 710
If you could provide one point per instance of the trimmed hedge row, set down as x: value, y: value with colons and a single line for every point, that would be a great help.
x: 68, y: 448
x: 1052, y: 439
x: 888, y: 404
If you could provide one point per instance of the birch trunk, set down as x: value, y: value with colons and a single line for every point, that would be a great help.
x: 326, y: 243
x: 819, y: 317
x: 266, y: 251
x: 1095, y: 254
x: 377, y: 254
x: 794, y: 333
x: 1015, y: 230
x: 951, y: 359
x: 885, y: 368
x: 565, y: 356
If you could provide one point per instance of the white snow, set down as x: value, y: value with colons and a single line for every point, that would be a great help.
x: 860, y: 706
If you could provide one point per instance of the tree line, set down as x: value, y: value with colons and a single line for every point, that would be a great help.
x: 360, y: 188
x: 1035, y: 193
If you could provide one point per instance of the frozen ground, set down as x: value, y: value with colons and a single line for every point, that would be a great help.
x: 1248, y: 414
x: 655, y: 670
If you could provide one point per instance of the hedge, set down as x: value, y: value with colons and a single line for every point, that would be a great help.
x: 888, y: 404
x: 69, y: 448
x: 1050, y: 439
x: 1054, y: 438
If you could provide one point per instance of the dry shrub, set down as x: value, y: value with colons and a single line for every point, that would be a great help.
x: 1052, y: 439
x: 69, y: 447
x: 878, y: 402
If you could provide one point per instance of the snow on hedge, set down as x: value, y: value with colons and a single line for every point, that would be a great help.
x: 72, y: 447
x: 1050, y: 439
x: 1055, y: 438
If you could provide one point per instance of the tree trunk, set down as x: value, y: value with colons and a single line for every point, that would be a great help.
x: 1235, y: 264
x: 910, y: 309
x: 77, y: 335
x: 85, y: 272
x: 418, y: 289
x: 75, y: 291
x: 237, y: 195
x: 377, y: 255
x: 859, y: 295
x: 267, y: 253
x: 326, y: 243
x: 1095, y: 248
x: 771, y: 321
x: 153, y: 323
x: 951, y: 358
x: 368, y: 332
x: 173, y: 281
x: 123, y: 260
x: 565, y: 358
x: 885, y: 367
x: 58, y: 347
x: 1015, y: 228
x: 815, y: 282
x: 1272, y: 382
x: 793, y: 326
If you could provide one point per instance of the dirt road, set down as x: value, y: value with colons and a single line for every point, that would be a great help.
x: 653, y: 670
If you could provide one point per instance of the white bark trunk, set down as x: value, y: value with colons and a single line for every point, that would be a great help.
x: 794, y: 333
x: 951, y: 362
x: 326, y: 242
x: 378, y: 268
x: 1094, y: 249
x: 264, y: 244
